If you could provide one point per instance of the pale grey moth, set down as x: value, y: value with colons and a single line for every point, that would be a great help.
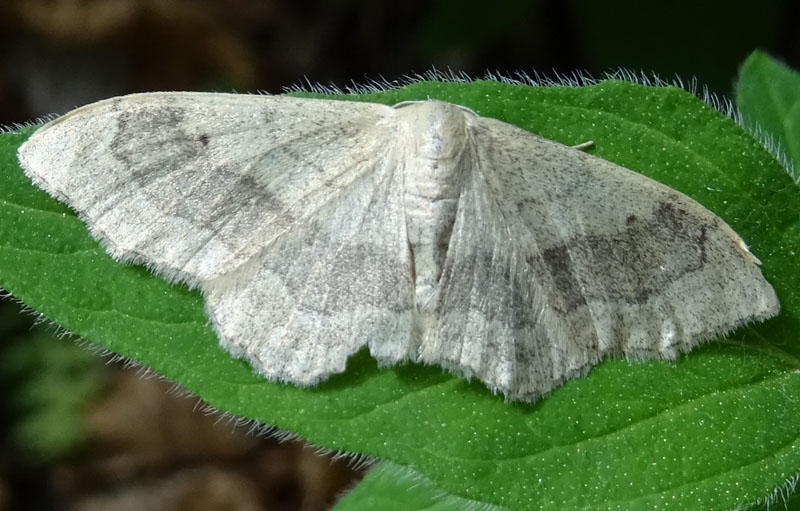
x: 422, y: 231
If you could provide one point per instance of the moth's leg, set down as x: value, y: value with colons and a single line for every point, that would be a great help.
x: 583, y: 145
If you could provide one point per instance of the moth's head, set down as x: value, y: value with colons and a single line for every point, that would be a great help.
x: 438, y: 129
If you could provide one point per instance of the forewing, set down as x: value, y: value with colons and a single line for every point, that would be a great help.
x: 285, y: 212
x: 194, y: 184
x: 559, y: 258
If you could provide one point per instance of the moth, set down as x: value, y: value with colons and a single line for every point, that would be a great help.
x: 423, y: 231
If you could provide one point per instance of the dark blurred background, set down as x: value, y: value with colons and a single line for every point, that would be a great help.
x: 77, y: 433
x: 57, y: 54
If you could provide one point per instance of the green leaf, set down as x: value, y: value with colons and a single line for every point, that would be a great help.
x: 768, y: 95
x: 391, y: 487
x: 714, y: 431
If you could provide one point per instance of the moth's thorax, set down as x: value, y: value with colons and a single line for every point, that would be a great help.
x: 433, y: 178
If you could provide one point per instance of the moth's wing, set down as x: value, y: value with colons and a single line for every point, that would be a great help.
x: 285, y: 212
x: 195, y: 184
x: 559, y: 258
x: 320, y: 292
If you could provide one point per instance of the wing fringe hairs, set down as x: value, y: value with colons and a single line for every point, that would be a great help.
x: 425, y: 232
